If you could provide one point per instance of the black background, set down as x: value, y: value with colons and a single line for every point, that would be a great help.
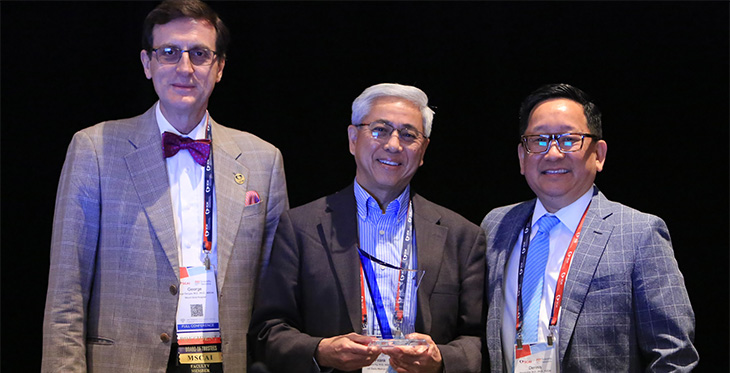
x: 658, y: 71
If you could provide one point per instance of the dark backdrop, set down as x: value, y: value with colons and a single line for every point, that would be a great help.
x: 658, y: 71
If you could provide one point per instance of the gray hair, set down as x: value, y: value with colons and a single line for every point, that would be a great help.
x: 363, y: 103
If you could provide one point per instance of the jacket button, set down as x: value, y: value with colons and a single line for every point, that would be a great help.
x: 173, y: 289
x: 164, y: 337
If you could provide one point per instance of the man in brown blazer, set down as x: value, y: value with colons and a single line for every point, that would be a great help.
x: 316, y: 308
x: 133, y: 216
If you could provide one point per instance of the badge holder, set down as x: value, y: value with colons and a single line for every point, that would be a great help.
x: 198, y: 331
x: 537, y: 357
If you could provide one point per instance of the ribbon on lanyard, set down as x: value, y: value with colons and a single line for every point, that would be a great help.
x: 208, y: 208
x: 367, y: 274
x: 558, y: 298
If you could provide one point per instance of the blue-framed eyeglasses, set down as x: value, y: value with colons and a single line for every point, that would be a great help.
x: 566, y: 142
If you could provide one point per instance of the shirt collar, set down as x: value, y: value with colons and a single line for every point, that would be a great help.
x: 366, y: 202
x: 569, y: 215
x: 198, y: 133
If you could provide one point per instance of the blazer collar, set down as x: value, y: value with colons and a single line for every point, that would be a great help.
x: 595, y: 234
x: 229, y: 169
x: 339, y: 230
x: 430, y: 242
x: 339, y: 226
x: 148, y: 173
x: 505, y: 239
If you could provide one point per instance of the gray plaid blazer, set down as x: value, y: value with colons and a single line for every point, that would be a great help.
x: 112, y: 289
x: 625, y: 306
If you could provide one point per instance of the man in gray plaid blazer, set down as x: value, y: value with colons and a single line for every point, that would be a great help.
x: 623, y: 306
x: 128, y: 220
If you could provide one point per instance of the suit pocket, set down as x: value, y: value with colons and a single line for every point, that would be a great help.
x: 606, y: 315
x: 444, y: 308
x: 254, y: 209
x: 446, y: 289
x: 613, y: 282
x: 99, y: 341
x: 444, y: 297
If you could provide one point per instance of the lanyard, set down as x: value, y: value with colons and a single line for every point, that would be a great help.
x: 367, y: 274
x: 208, y: 208
x: 558, y: 299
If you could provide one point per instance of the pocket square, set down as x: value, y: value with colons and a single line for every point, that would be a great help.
x: 252, y: 198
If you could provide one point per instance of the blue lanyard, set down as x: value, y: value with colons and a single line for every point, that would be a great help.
x: 367, y: 269
x: 375, y: 296
x: 208, y: 210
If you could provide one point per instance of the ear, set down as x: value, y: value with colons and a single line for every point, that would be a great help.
x: 221, y: 65
x: 145, y: 58
x: 601, y: 150
x: 352, y: 137
x: 521, y: 154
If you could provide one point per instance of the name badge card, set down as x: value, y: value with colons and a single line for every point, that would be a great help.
x: 380, y: 365
x: 536, y: 358
x: 198, y: 330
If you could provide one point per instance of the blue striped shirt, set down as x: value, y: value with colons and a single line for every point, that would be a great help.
x: 381, y: 235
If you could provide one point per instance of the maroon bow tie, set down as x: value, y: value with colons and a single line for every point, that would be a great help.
x: 199, y: 149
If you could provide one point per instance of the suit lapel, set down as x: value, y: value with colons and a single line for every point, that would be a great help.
x: 230, y: 196
x: 430, y: 241
x: 148, y: 172
x: 591, y: 245
x: 339, y: 230
x: 505, y: 240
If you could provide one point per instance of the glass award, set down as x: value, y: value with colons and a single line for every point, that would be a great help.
x: 399, y: 299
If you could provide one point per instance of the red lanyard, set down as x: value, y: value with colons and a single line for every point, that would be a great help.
x: 363, y: 304
x: 558, y: 299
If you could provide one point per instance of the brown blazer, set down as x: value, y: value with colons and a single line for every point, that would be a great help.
x: 311, y: 288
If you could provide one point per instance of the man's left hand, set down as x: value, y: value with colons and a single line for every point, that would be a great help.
x: 415, y: 359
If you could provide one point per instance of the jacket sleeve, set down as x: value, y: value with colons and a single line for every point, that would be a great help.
x: 277, y: 204
x: 73, y: 250
x: 276, y: 321
x: 464, y: 353
x: 664, y: 316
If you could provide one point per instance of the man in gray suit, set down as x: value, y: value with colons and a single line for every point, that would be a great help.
x: 317, y: 306
x: 576, y: 282
x: 150, y: 206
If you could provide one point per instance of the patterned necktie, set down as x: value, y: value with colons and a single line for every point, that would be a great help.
x: 199, y: 149
x: 537, y: 256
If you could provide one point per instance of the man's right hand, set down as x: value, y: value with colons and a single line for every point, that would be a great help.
x: 346, y: 352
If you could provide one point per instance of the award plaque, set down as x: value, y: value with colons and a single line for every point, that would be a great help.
x: 397, y: 342
x: 404, y: 286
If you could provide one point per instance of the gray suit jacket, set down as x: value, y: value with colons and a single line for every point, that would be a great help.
x: 625, y: 306
x: 112, y: 290
x: 311, y: 289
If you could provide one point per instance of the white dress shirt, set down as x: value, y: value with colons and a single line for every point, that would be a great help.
x: 188, y: 198
x: 381, y: 235
x: 560, y: 237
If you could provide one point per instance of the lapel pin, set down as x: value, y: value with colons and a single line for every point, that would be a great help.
x: 239, y: 179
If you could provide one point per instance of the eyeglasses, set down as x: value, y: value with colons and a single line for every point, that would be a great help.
x: 382, y: 131
x: 172, y: 55
x: 567, y: 142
